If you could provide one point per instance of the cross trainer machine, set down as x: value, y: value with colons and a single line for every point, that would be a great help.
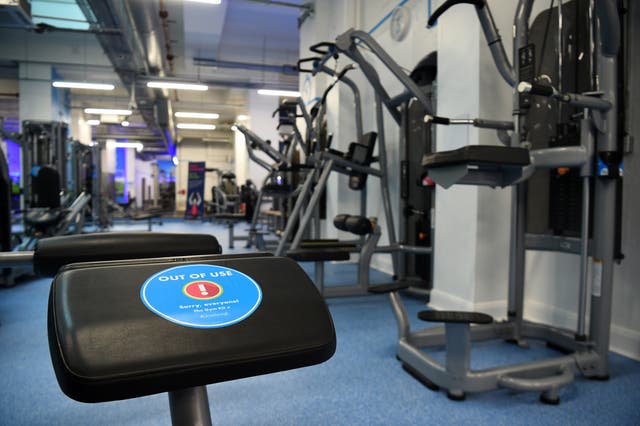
x: 598, y: 159
x: 110, y: 340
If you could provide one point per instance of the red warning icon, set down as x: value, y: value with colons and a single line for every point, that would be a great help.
x: 202, y: 290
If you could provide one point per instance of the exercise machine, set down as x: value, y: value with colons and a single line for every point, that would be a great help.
x: 597, y: 159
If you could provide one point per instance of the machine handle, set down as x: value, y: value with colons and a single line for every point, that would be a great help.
x: 317, y: 48
x: 536, y: 89
x: 313, y: 59
x: 479, y: 4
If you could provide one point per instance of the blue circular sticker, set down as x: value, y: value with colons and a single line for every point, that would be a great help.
x: 201, y: 296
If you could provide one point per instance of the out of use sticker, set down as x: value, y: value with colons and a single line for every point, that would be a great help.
x: 201, y: 296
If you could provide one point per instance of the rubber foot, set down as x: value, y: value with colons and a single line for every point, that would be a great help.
x: 456, y: 396
x: 549, y: 401
x: 603, y: 378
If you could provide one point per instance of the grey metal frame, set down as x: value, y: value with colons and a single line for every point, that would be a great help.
x: 588, y: 352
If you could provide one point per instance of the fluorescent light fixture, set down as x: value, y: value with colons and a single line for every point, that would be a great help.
x: 206, y: 1
x: 125, y: 123
x: 93, y: 122
x: 196, y: 126
x: 184, y: 114
x: 269, y: 92
x: 80, y: 85
x: 137, y: 145
x: 107, y: 111
x: 242, y: 117
x: 179, y: 86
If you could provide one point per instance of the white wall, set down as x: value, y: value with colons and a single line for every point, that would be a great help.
x: 472, y: 224
x: 261, y: 123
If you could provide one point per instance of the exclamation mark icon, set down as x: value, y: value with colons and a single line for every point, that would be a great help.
x: 203, y: 290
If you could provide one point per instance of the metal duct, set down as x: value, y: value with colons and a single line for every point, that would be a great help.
x: 137, y: 52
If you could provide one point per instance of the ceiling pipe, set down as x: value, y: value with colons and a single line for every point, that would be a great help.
x: 282, y: 69
x: 306, y: 8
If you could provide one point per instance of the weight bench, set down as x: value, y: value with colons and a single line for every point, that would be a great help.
x: 148, y: 217
x: 125, y: 329
x: 230, y: 219
x: 332, y: 250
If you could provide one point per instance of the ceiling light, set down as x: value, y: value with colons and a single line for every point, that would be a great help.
x: 180, y: 86
x: 93, y: 122
x: 137, y: 145
x: 175, y: 160
x: 269, y: 92
x: 125, y: 123
x: 242, y: 117
x: 196, y: 126
x: 79, y: 85
x: 184, y: 114
x: 234, y: 128
x: 107, y: 111
x: 207, y: 1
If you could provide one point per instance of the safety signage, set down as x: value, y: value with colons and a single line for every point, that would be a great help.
x: 201, y: 296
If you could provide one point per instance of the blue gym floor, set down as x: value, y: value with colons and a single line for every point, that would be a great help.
x: 363, y: 384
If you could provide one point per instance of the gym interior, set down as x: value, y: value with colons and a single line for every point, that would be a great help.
x: 319, y: 212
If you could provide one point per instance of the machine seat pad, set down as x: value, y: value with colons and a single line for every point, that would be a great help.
x: 107, y: 345
x: 146, y: 216
x: 388, y: 288
x: 455, y: 317
x: 230, y: 216
x: 358, y: 225
x: 319, y: 254
x: 44, y: 218
x: 51, y: 254
x: 479, y: 155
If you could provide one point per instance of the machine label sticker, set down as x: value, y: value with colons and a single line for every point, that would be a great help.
x: 201, y: 296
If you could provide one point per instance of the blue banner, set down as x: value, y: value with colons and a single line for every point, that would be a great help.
x: 195, y: 190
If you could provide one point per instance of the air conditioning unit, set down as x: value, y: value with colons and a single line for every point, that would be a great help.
x: 15, y: 13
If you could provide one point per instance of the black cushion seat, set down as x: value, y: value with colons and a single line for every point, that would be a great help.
x: 146, y: 216
x: 358, y: 225
x: 230, y: 216
x: 43, y: 218
x: 107, y: 345
x: 319, y: 254
x: 455, y: 317
x: 479, y: 155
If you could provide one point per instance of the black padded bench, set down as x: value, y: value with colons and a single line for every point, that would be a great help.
x: 124, y: 329
x: 230, y: 219
x: 477, y: 165
x: 320, y: 251
x: 148, y: 216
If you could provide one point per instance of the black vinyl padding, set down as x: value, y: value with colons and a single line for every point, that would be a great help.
x: 358, y: 225
x: 53, y: 253
x: 319, y: 254
x: 106, y: 345
x: 388, y: 288
x: 478, y: 155
x: 146, y: 216
x: 455, y: 317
